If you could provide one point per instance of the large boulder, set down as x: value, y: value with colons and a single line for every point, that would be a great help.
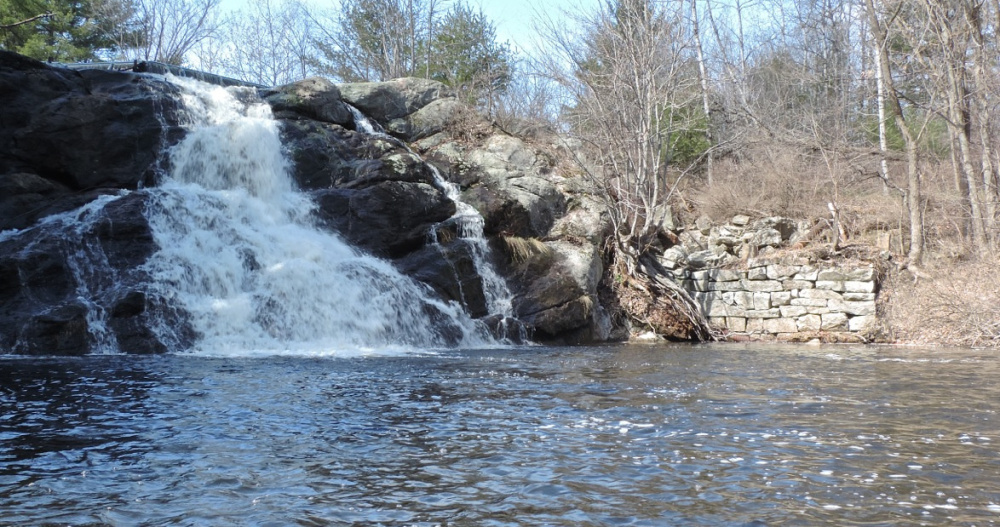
x: 327, y: 156
x: 555, y: 291
x: 369, y: 188
x: 434, y: 118
x: 395, y: 105
x: 389, y: 219
x: 450, y: 269
x: 315, y: 98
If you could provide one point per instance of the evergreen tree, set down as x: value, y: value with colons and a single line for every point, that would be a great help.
x: 466, y: 55
x: 55, y: 30
x: 378, y: 40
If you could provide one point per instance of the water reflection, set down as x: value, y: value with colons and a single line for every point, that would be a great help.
x: 702, y: 435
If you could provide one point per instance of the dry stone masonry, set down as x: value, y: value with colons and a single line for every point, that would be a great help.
x: 789, y: 297
x: 781, y: 299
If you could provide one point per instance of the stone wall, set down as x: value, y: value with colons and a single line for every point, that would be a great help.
x: 788, y: 300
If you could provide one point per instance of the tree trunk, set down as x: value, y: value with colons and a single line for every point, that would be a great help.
x: 981, y: 64
x: 703, y: 77
x: 883, y: 143
x: 913, y: 193
x: 959, y: 126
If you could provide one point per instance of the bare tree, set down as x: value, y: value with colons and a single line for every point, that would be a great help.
x: 527, y: 103
x: 166, y: 30
x: 703, y: 78
x: 630, y: 78
x: 913, y: 190
x: 270, y: 43
x: 983, y: 100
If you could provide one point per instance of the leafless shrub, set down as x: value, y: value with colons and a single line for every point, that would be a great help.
x: 765, y: 184
x: 469, y: 126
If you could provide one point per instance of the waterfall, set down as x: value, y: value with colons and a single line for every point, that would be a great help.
x: 469, y: 223
x: 240, y: 252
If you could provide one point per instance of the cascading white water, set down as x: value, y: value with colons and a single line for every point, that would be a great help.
x: 469, y: 223
x: 499, y: 299
x: 239, y: 250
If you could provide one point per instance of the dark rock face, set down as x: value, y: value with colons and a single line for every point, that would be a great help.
x: 78, y: 267
x: 377, y: 194
x: 450, y: 270
x: 67, y: 137
x: 69, y: 141
x: 389, y: 219
x: 370, y: 189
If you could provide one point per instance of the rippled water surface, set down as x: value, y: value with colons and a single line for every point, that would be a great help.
x: 667, y: 435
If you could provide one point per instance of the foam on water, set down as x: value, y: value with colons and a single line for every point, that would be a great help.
x: 240, y: 251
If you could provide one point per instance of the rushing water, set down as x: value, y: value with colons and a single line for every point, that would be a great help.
x: 665, y: 435
x: 240, y: 252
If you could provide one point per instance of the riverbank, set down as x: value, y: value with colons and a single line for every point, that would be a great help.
x: 798, y: 286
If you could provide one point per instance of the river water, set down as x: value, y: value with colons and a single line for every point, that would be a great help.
x: 618, y: 435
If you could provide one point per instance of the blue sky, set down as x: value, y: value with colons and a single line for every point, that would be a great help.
x: 514, y: 18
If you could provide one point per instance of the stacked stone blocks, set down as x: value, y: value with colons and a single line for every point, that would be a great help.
x: 778, y: 299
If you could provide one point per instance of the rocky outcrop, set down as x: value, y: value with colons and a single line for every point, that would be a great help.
x: 77, y: 148
x: 547, y: 226
x: 67, y: 137
x: 55, y: 301
x: 381, y: 196
x: 313, y: 98
x: 408, y: 108
x: 70, y: 142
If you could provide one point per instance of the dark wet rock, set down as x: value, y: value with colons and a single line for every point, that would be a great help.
x: 67, y: 137
x: 26, y: 198
x: 555, y: 292
x: 507, y: 329
x: 388, y: 219
x: 450, y: 270
x: 145, y: 323
x: 83, y: 130
x: 58, y: 330
x: 79, y: 267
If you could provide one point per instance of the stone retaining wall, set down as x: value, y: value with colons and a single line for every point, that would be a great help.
x: 787, y: 300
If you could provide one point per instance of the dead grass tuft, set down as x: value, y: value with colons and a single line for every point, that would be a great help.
x: 521, y: 249
x: 958, y: 305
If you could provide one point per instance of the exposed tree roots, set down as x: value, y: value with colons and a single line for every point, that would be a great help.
x: 651, y: 300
